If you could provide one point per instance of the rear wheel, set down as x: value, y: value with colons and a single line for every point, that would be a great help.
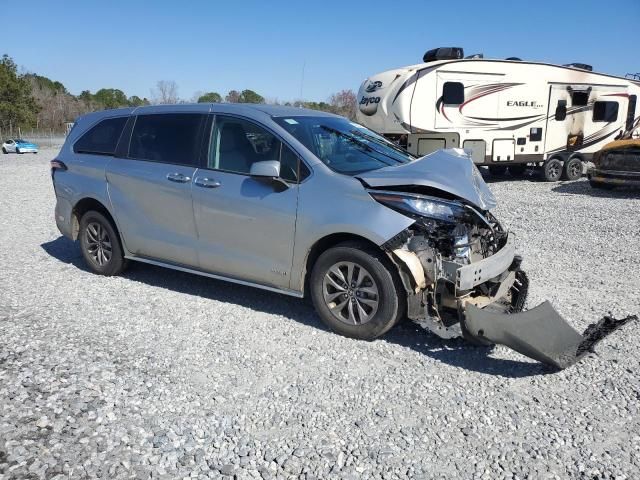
x: 4, y: 150
x: 572, y: 169
x: 552, y: 170
x: 497, y: 170
x: 18, y: 151
x: 356, y: 292
x: 100, y: 244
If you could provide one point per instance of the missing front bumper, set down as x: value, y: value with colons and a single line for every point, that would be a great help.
x: 540, y: 333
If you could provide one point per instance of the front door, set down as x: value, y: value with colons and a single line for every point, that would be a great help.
x: 246, y: 226
x: 151, y: 189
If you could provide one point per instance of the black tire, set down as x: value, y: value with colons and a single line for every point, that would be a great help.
x: 497, y: 170
x: 97, y: 235
x: 601, y: 186
x: 552, y: 170
x: 572, y: 169
x: 4, y: 150
x: 517, y: 170
x: 391, y: 305
x: 18, y: 151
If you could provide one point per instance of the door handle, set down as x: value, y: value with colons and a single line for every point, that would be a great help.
x: 178, y: 177
x: 207, y: 182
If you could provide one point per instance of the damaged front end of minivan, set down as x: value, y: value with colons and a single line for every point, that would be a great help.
x: 459, y: 265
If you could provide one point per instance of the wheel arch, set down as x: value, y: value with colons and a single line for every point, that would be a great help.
x: 325, y: 243
x: 83, y: 206
x: 578, y: 155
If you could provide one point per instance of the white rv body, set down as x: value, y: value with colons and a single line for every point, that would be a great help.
x: 503, y: 111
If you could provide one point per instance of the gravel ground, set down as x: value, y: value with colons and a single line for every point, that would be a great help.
x: 160, y: 374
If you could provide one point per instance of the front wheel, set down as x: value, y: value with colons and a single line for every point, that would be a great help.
x: 18, y: 151
x: 100, y: 244
x: 4, y: 150
x: 356, y: 292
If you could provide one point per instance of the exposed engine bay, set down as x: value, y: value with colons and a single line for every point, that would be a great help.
x: 452, y: 255
x: 461, y: 273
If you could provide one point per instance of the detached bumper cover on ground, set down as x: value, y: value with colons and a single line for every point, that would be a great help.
x: 540, y: 333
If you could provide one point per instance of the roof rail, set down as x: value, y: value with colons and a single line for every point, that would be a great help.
x: 634, y: 76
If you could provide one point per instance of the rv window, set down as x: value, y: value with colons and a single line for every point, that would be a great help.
x: 579, y: 98
x: 535, y: 135
x: 631, y: 111
x: 605, y: 112
x: 561, y: 110
x: 453, y: 93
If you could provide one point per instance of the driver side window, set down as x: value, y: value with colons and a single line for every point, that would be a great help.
x: 236, y: 144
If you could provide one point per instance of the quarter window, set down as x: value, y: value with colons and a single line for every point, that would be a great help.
x: 168, y: 138
x: 101, y: 139
x: 453, y: 93
x: 605, y: 112
x: 291, y: 168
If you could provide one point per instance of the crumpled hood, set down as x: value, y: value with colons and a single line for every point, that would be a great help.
x: 450, y: 170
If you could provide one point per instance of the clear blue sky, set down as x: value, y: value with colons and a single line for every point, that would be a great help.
x: 262, y: 45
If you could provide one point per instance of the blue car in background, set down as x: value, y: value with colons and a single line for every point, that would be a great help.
x: 19, y: 145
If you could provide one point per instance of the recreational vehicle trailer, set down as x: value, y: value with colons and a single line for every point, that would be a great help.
x: 507, y: 113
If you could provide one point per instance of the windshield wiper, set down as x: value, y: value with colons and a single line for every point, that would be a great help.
x: 348, y: 137
x: 362, y: 144
x: 381, y: 142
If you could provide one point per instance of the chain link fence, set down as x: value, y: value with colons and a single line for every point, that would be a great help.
x: 41, y: 137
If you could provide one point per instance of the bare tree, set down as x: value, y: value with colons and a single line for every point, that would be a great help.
x: 166, y: 92
x: 344, y: 103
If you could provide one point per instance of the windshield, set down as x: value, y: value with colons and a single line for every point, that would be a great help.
x: 344, y: 146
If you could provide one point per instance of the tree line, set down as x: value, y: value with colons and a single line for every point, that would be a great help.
x: 28, y: 100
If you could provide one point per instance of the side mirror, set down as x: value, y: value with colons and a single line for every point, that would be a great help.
x: 265, y: 169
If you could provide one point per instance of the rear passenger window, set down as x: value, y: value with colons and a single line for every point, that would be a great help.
x: 167, y: 138
x: 101, y: 139
x: 453, y: 93
x: 605, y: 112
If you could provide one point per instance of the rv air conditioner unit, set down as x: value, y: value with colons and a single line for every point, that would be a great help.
x: 474, y: 56
x: 581, y: 66
x: 515, y: 59
x: 443, y: 53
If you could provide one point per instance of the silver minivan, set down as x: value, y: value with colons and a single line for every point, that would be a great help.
x: 302, y: 202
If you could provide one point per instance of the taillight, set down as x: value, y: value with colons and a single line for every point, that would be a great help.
x: 57, y: 164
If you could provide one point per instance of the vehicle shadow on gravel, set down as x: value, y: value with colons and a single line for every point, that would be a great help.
x: 583, y: 188
x: 459, y: 353
x: 454, y: 352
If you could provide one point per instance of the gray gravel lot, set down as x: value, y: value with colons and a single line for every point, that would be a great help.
x: 160, y: 374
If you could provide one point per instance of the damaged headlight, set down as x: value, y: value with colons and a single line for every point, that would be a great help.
x: 420, y: 205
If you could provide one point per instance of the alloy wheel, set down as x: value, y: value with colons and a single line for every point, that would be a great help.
x: 350, y: 293
x: 575, y: 170
x: 98, y: 244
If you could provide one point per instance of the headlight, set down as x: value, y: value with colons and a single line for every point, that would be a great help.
x: 420, y: 205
